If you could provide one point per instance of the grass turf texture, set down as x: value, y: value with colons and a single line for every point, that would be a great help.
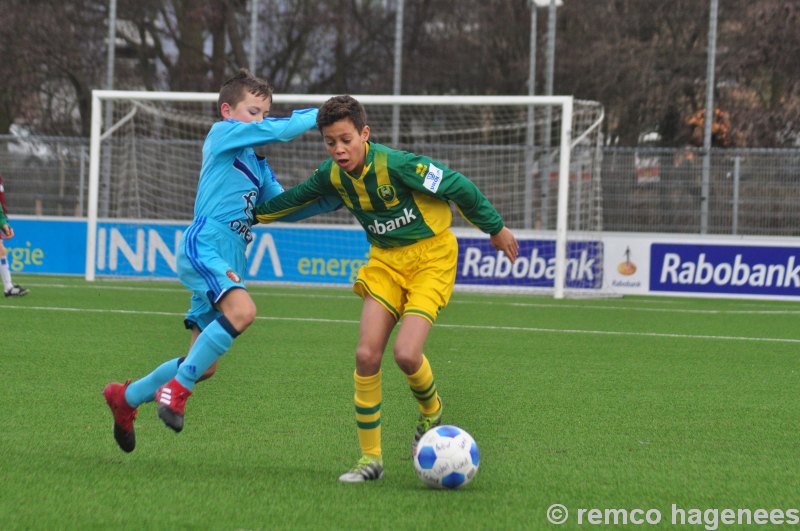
x: 619, y: 403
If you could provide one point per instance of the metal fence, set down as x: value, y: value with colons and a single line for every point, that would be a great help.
x: 45, y: 175
x: 751, y: 191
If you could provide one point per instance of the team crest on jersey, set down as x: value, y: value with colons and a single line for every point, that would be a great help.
x: 233, y: 276
x: 387, y: 193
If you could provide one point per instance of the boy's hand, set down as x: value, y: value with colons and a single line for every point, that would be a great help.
x: 506, y: 242
x: 8, y: 232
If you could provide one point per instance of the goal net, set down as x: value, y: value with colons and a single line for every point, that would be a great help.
x: 536, y: 158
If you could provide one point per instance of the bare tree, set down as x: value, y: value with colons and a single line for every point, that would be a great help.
x: 759, y: 84
x: 49, y: 67
x: 645, y: 60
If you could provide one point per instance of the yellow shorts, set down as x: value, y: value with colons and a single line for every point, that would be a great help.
x: 415, y: 279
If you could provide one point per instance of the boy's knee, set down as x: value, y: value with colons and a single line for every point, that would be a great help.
x: 243, y: 319
x: 407, y: 358
x: 242, y: 315
x: 248, y: 314
x: 368, y: 359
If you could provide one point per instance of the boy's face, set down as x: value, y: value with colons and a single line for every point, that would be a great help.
x: 346, y: 145
x: 251, y: 109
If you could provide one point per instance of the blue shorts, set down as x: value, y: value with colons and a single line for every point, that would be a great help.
x: 211, y: 261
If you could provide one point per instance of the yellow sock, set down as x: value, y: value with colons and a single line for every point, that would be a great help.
x: 368, y: 413
x: 424, y: 388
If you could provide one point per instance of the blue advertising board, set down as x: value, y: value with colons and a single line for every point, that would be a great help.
x: 725, y: 269
x: 316, y: 254
x: 281, y: 253
x: 56, y: 246
x: 480, y: 263
x: 285, y: 254
x: 321, y: 255
x: 138, y: 249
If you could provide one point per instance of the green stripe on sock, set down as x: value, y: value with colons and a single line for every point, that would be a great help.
x: 368, y: 425
x: 426, y: 398
x: 368, y: 410
x: 424, y: 391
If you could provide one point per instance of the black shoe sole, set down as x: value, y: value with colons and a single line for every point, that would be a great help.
x: 125, y: 439
x: 170, y: 418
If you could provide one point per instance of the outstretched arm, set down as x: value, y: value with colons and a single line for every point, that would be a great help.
x: 306, y: 195
x: 432, y: 178
x: 230, y: 134
x: 285, y: 129
x: 324, y: 204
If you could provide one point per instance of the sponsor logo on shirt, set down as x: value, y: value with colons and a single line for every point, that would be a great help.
x: 433, y: 179
x: 233, y: 276
x: 240, y: 227
x: 377, y: 227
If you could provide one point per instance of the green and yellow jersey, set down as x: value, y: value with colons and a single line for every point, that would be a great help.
x: 400, y: 198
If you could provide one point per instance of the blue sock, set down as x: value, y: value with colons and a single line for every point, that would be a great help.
x: 212, y: 343
x: 144, y: 390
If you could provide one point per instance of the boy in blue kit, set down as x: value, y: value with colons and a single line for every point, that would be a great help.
x: 211, y: 257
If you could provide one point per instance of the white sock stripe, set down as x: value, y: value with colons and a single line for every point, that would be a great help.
x: 5, y: 273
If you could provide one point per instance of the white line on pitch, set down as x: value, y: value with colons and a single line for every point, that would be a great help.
x: 555, y: 306
x: 440, y: 325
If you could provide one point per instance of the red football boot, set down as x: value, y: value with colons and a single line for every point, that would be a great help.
x: 124, y: 415
x: 171, y: 399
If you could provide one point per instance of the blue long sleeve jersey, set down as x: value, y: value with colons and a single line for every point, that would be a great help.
x: 233, y: 179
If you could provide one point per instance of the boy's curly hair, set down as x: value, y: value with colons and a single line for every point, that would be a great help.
x: 341, y: 107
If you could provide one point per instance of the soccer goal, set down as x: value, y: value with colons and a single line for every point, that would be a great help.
x: 536, y: 158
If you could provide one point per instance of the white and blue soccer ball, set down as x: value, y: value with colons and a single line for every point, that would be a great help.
x: 447, y: 458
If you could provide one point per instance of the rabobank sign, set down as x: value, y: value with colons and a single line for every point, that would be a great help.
x: 480, y: 263
x: 731, y: 269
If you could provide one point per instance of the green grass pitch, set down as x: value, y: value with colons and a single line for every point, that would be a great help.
x: 628, y: 403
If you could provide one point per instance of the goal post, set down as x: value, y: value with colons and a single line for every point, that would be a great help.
x: 145, y: 161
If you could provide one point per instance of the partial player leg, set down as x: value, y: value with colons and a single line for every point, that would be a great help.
x: 239, y: 312
x: 124, y: 399
x: 9, y: 288
x: 409, y: 357
x: 376, y: 325
x: 124, y: 415
x: 430, y: 284
x: 368, y: 422
x: 144, y: 389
